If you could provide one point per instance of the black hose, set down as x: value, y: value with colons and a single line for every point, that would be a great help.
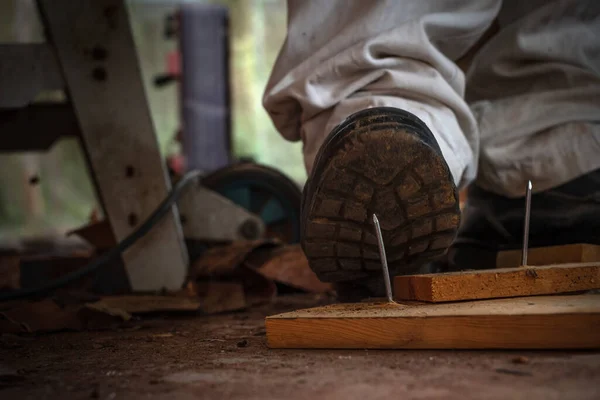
x: 113, y: 253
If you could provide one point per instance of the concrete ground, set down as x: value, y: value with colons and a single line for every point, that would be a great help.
x: 225, y: 356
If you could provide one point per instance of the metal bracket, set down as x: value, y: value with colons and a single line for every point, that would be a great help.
x: 208, y: 216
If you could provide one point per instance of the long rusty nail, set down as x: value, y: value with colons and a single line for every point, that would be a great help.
x: 384, y: 264
x: 526, y: 224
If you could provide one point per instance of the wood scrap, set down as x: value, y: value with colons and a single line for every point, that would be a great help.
x: 98, y: 234
x: 144, y: 304
x: 10, y: 271
x: 498, y: 283
x: 565, y: 254
x: 205, y: 297
x: 545, y: 322
x: 257, y: 265
x: 289, y: 265
x: 218, y: 297
x: 223, y: 260
x: 226, y: 263
x: 48, y: 316
x: 257, y: 289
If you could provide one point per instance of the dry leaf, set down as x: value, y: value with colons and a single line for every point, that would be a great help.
x: 223, y: 260
x: 289, y: 265
x: 98, y: 234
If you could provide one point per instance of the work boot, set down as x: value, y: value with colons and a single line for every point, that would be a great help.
x: 382, y: 161
x: 491, y: 223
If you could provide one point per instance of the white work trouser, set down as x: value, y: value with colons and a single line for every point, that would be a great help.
x: 528, y: 106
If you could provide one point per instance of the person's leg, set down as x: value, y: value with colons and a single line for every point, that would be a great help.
x: 535, y: 90
x: 343, y: 56
x: 372, y: 89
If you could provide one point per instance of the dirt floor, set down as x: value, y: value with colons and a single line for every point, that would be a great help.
x: 226, y: 356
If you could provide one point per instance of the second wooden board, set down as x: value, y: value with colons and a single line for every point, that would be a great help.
x: 498, y: 283
x: 565, y: 254
x: 549, y: 322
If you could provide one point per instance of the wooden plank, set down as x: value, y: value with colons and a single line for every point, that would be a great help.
x: 546, y: 322
x: 97, y: 55
x: 498, y: 283
x: 570, y: 253
x: 207, y: 297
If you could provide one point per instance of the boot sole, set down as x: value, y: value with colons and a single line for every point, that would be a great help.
x: 380, y: 166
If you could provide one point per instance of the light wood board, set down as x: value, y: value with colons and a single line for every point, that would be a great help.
x: 97, y: 56
x: 498, y: 283
x: 547, y: 322
x: 566, y: 254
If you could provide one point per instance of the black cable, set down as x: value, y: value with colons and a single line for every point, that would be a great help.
x: 113, y: 253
